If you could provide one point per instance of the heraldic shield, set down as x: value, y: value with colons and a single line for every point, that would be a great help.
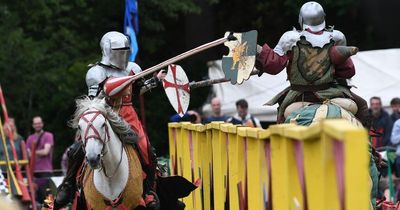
x: 176, y: 86
x: 240, y: 61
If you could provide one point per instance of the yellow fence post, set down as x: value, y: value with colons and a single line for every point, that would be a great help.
x: 236, y: 165
x: 356, y: 158
x: 219, y: 154
x: 172, y: 135
x: 256, y: 169
x: 186, y: 160
x: 264, y: 137
x: 207, y: 168
x: 286, y: 191
x: 316, y: 167
x: 197, y: 129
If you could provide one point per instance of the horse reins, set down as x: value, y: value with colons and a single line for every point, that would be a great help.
x: 98, y: 137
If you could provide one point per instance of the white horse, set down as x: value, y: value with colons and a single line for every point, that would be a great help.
x: 114, y: 177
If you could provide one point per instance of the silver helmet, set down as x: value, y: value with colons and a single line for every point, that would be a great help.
x: 312, y: 16
x: 116, y: 50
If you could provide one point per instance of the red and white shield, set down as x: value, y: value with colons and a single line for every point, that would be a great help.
x: 176, y: 86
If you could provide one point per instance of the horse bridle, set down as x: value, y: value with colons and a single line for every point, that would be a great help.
x: 97, y: 136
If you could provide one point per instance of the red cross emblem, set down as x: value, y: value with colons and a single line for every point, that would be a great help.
x: 183, y: 85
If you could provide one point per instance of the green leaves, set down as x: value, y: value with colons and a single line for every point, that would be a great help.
x: 47, y: 45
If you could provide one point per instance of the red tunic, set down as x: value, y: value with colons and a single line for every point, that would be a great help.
x: 119, y: 91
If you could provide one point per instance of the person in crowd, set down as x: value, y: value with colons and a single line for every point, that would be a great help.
x: 242, y: 116
x: 11, y: 133
x: 190, y: 116
x: 40, y: 147
x: 381, y: 124
x: 395, y: 104
x: 395, y: 140
x: 216, y: 112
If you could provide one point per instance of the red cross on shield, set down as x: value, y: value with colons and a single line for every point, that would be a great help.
x: 176, y: 86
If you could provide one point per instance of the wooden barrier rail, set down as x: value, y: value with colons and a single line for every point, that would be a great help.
x: 12, y: 162
x: 284, y: 167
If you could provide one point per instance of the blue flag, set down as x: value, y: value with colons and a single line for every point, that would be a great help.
x: 131, y: 26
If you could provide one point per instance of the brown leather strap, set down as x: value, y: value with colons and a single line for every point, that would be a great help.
x: 311, y: 88
x: 33, y: 148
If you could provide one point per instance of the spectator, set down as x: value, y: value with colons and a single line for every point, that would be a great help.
x: 381, y: 125
x: 216, y: 112
x: 395, y: 140
x: 395, y: 104
x: 10, y: 128
x: 242, y: 116
x: 190, y: 116
x: 40, y: 146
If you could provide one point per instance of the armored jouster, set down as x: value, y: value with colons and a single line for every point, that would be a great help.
x: 317, y: 62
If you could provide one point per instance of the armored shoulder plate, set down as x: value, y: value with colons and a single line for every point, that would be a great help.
x: 95, y: 76
x: 339, y: 38
x: 287, y: 41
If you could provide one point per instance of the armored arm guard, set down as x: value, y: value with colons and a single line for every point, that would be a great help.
x: 287, y: 42
x: 94, y: 80
x: 339, y: 38
x: 273, y: 61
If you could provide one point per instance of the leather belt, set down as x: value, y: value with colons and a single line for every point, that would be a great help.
x: 311, y: 88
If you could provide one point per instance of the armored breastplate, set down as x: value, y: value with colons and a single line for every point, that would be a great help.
x: 311, y: 65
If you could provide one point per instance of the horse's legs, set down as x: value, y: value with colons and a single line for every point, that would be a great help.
x: 67, y: 189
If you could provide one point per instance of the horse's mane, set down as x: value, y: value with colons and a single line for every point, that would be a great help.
x: 118, y: 124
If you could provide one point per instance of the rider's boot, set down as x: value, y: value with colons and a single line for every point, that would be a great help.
x: 66, y: 191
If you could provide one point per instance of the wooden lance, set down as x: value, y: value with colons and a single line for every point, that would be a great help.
x: 184, y: 55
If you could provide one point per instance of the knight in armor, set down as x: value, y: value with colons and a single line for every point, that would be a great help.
x: 317, y: 62
x: 109, y: 78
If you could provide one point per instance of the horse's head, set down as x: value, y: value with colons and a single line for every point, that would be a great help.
x: 93, y: 130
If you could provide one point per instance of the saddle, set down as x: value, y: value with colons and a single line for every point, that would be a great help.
x: 345, y: 103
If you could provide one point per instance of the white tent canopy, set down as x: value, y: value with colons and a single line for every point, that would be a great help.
x: 377, y: 74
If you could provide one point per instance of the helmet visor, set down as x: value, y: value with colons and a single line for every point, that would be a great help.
x: 119, y: 57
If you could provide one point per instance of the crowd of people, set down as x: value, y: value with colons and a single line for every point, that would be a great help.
x: 242, y: 116
x: 384, y: 132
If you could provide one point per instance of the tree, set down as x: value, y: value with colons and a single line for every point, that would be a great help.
x: 47, y: 46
